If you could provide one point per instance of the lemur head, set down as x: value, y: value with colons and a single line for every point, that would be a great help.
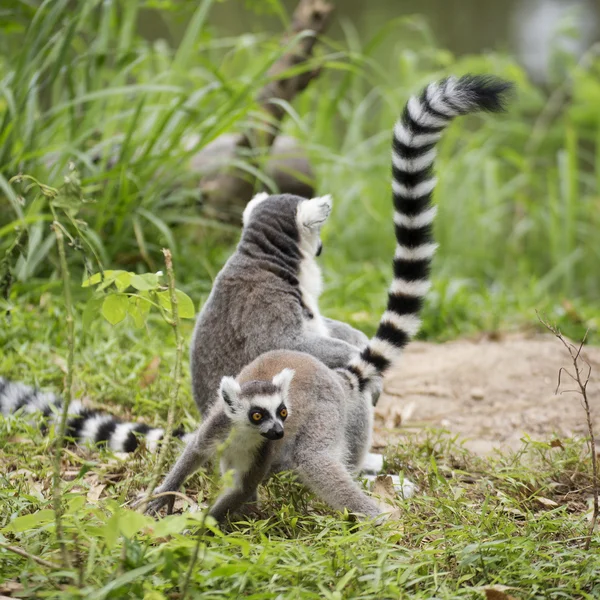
x: 308, y: 215
x: 259, y: 406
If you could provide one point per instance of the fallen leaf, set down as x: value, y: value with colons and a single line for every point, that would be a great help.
x: 60, y: 362
x: 96, y: 488
x: 496, y: 593
x: 383, y: 487
x: 150, y: 373
x: 517, y: 514
x: 546, y: 502
x: 9, y: 586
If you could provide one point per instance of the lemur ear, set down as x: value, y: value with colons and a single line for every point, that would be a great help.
x: 258, y: 198
x: 283, y: 379
x: 314, y: 212
x: 230, y: 390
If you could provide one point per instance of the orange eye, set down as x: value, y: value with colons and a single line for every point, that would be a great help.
x: 256, y: 416
x: 283, y: 413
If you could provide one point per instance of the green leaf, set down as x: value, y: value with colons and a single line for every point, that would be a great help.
x: 114, y: 308
x: 123, y: 281
x: 169, y: 525
x: 138, y: 309
x: 120, y: 581
x: 28, y: 522
x: 90, y: 312
x: 97, y: 278
x: 343, y: 582
x: 185, y: 305
x: 110, y: 531
x: 145, y: 282
x: 130, y: 522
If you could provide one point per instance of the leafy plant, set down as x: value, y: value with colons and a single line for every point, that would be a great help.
x: 115, y: 302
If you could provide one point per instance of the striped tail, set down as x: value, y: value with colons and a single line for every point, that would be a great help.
x: 84, y: 425
x: 415, y: 136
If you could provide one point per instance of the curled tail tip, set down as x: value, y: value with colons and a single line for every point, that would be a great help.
x: 483, y: 92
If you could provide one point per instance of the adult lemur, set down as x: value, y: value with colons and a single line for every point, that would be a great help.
x: 328, y: 410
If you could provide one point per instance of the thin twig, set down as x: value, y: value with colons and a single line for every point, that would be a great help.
x: 575, y: 353
x: 147, y: 499
x: 67, y: 395
x: 33, y: 557
x: 174, y: 322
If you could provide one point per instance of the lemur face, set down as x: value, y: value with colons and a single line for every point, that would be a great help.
x: 309, y: 215
x: 258, y: 406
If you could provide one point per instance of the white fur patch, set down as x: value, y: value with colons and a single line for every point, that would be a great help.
x: 435, y: 97
x: 258, y: 198
x: 283, y: 380
x: 269, y: 403
x: 91, y: 427
x: 310, y: 216
x: 417, y: 253
x: 416, y: 221
x: 119, y: 436
x: 372, y: 463
x: 153, y: 437
x: 405, y: 136
x: 229, y: 392
x: 386, y: 349
x: 422, y: 116
x: 417, y: 191
x: 412, y: 165
x: 420, y: 287
x: 314, y: 212
x: 410, y: 324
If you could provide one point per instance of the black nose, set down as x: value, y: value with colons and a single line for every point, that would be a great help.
x: 275, y: 433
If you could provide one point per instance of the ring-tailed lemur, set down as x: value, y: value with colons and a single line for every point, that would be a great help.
x: 84, y: 425
x: 266, y: 296
x: 330, y: 410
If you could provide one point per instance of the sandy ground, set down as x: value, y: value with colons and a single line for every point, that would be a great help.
x: 489, y: 392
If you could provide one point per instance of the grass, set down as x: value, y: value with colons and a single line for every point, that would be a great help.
x: 514, y: 519
x: 517, y: 227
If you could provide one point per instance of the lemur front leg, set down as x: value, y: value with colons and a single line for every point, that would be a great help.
x: 233, y: 499
x: 199, y: 450
x: 346, y: 333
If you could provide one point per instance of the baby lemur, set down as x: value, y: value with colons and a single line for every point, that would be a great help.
x: 289, y: 410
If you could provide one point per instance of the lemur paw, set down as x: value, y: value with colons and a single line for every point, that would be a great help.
x: 156, y: 504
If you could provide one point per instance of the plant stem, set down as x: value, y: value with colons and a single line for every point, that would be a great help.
x: 67, y: 395
x: 174, y: 322
x: 576, y: 358
x: 33, y: 557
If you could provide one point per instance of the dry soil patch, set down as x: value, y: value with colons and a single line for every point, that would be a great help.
x: 489, y: 392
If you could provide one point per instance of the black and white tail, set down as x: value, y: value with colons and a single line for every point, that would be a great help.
x: 84, y: 425
x: 415, y: 136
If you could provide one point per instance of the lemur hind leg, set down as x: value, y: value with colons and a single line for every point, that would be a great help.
x: 346, y: 333
x: 330, y: 480
x: 333, y: 352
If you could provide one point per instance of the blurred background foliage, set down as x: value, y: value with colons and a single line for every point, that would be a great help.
x: 128, y: 91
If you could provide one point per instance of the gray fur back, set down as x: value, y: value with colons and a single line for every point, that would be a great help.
x: 255, y: 300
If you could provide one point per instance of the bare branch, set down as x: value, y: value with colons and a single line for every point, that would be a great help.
x: 229, y: 191
x: 575, y: 353
x: 33, y: 557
